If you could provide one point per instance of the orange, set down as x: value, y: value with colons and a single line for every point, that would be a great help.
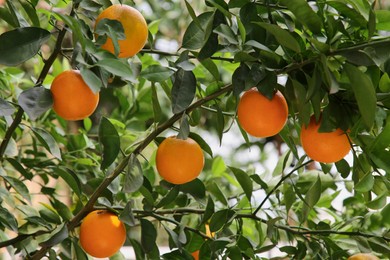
x: 195, y: 255
x: 324, y: 147
x: 260, y: 116
x: 72, y: 98
x: 134, y: 26
x: 362, y: 256
x: 179, y: 161
x: 102, y: 234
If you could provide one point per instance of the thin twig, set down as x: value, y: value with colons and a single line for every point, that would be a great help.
x: 278, y: 185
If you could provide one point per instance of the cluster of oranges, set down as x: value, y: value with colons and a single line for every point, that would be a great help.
x: 178, y: 161
x: 72, y: 97
x: 263, y: 117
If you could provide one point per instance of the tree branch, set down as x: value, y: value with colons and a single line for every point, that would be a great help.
x: 176, y: 54
x: 45, y: 70
x: 278, y: 185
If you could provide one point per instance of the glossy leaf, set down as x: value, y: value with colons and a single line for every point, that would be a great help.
x: 109, y: 138
x: 283, y: 37
x: 364, y: 91
x: 18, y: 186
x: 91, y: 79
x: 203, y: 144
x: 8, y: 220
x: 21, y: 44
x: 117, y: 68
x: 195, y: 37
x: 148, y: 235
x: 35, y: 101
x: 134, y: 177
x: 226, y: 32
x: 366, y: 183
x: 19, y: 167
x: 196, y: 188
x: 220, y: 219
x: 183, y: 90
x: 57, y: 238
x: 47, y: 140
x: 312, y: 197
x: 304, y: 14
x: 244, y: 180
x: 156, y: 73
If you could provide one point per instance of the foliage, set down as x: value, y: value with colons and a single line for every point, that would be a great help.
x: 330, y: 57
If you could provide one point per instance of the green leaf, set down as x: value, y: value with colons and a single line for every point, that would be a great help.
x: 183, y: 90
x: 211, y: 67
x: 19, y: 167
x: 156, y: 73
x: 384, y: 83
x: 148, y: 235
x: 347, y: 10
x: 203, y: 144
x: 156, y: 104
x: 195, y: 37
x: 169, y: 197
x: 127, y: 215
x: 21, y: 44
x: 57, y: 238
x: 196, y: 188
x: 244, y: 180
x: 193, y: 15
x: 313, y: 195
x: 174, y: 237
x: 239, y: 78
x: 8, y: 220
x: 379, y: 202
x: 209, y: 211
x: 75, y: 26
x: 383, y: 18
x: 382, y: 141
x: 5, y: 108
x: 227, y: 33
x: 47, y: 140
x: 385, y: 215
x: 283, y: 37
x: 220, y: 219
x: 109, y: 138
x: 70, y: 178
x: 304, y: 14
x: 62, y: 209
x: 365, y: 95
x: 18, y: 186
x: 35, y: 101
x: 184, y: 130
x: 366, y: 183
x: 117, y: 67
x: 134, y: 177
x: 217, y: 192
x: 29, y: 8
x: 92, y: 80
x: 9, y: 16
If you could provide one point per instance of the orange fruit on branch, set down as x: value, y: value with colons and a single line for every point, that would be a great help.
x: 102, y: 234
x: 328, y: 147
x: 260, y: 116
x: 72, y: 97
x: 179, y: 161
x: 363, y: 256
x: 134, y: 26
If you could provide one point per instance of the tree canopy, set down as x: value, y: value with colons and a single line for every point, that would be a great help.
x: 330, y: 59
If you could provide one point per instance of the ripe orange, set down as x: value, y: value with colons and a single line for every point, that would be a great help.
x: 327, y: 147
x: 362, y: 256
x: 195, y: 255
x: 179, y: 161
x: 102, y: 234
x: 72, y: 98
x: 260, y: 116
x: 134, y: 26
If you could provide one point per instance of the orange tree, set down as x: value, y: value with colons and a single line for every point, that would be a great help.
x: 330, y: 61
